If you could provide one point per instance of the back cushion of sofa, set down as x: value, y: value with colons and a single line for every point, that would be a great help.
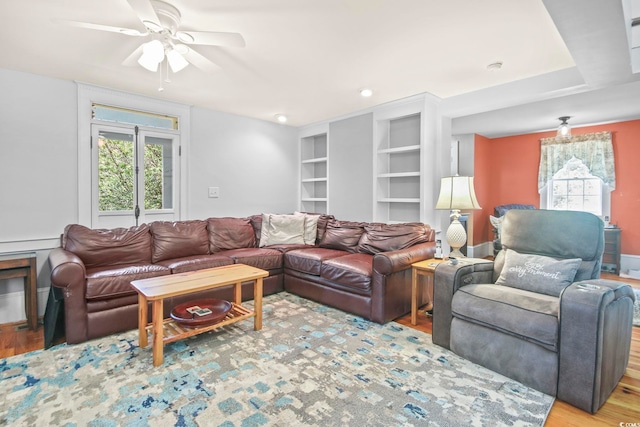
x: 342, y: 235
x: 393, y: 237
x: 177, y: 239
x: 230, y: 233
x: 102, y: 247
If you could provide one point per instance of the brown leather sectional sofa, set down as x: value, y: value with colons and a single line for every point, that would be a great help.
x: 361, y: 268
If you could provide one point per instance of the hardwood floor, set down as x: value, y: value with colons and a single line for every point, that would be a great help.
x: 623, y: 406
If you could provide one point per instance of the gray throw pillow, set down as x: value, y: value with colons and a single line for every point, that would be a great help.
x: 537, y: 273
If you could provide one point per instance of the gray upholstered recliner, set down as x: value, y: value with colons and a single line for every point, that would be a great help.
x: 540, y: 314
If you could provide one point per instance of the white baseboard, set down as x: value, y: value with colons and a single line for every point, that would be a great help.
x: 480, y: 251
x: 12, y: 306
x: 629, y: 262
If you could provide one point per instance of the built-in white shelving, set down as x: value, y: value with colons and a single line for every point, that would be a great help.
x: 398, y: 169
x: 314, y: 173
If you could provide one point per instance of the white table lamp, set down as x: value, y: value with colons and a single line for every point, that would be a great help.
x: 456, y: 192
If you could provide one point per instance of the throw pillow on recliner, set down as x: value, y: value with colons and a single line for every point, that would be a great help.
x: 537, y: 273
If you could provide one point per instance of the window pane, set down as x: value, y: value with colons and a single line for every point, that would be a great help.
x: 559, y: 187
x: 141, y: 118
x: 576, y: 188
x: 115, y: 171
x: 158, y: 173
x: 593, y: 204
x: 574, y: 203
x: 559, y: 202
x: 592, y: 187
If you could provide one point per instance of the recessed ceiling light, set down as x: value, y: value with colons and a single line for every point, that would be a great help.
x: 281, y: 118
x: 495, y: 66
x: 366, y: 92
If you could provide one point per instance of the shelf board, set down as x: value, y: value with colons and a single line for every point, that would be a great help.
x: 314, y: 199
x: 324, y: 179
x: 316, y: 160
x: 399, y: 200
x: 405, y: 149
x: 398, y: 174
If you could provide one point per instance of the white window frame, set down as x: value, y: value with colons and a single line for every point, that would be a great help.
x: 546, y: 196
x: 90, y: 94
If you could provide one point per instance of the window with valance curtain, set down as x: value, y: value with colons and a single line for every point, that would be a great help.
x: 594, y: 150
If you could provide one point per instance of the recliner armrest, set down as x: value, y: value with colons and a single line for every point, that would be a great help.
x: 595, y: 334
x: 447, y: 280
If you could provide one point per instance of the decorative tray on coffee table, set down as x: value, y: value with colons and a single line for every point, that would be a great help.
x: 201, y: 312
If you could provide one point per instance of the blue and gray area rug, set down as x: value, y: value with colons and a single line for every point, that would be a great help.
x: 309, y: 365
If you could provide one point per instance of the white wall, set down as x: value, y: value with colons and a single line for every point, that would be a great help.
x: 38, y: 178
x: 38, y: 138
x: 351, y: 168
x: 253, y: 162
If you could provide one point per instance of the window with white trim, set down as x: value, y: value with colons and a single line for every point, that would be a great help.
x: 574, y: 188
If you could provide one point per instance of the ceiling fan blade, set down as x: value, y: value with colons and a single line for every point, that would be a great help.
x: 132, y: 59
x: 100, y: 27
x: 211, y: 38
x: 146, y: 13
x: 200, y: 61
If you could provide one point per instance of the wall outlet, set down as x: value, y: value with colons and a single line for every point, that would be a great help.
x: 214, y: 192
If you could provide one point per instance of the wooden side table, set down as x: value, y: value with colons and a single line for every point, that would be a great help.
x: 23, y: 265
x: 422, y: 268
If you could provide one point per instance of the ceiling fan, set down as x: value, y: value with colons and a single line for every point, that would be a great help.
x: 162, y: 23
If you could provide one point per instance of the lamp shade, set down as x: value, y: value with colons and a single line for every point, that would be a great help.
x: 457, y: 192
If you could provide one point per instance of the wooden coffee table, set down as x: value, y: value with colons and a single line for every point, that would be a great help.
x: 156, y: 289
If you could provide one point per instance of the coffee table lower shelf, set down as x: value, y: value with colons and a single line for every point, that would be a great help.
x: 173, y: 331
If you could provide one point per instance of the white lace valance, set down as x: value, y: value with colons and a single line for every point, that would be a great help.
x: 595, y: 150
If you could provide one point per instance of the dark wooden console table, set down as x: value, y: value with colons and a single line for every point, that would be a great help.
x: 23, y: 264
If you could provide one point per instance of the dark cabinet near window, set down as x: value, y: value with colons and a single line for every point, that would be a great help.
x: 611, y: 256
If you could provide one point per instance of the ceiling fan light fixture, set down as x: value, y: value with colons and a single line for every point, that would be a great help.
x: 564, y: 130
x: 176, y: 61
x: 152, y: 55
x: 184, y: 37
x: 152, y: 26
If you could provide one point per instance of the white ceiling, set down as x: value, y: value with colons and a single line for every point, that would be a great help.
x: 308, y: 59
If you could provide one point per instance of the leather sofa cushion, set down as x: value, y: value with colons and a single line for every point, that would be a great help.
x: 342, y: 235
x: 310, y: 260
x: 108, y: 248
x: 528, y: 315
x: 230, y: 233
x: 351, y: 271
x: 392, y: 237
x: 196, y: 262
x: 105, y: 283
x: 177, y: 239
x: 266, y: 259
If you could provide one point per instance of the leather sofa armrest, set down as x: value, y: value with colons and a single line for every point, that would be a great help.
x: 447, y: 280
x: 67, y: 269
x: 69, y: 273
x: 596, y: 319
x: 386, y: 263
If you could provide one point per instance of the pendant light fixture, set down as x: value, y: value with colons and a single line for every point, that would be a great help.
x: 564, y: 130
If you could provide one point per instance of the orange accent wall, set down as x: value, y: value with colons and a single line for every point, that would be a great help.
x: 506, y: 171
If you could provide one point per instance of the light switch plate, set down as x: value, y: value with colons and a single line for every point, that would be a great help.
x: 214, y: 192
